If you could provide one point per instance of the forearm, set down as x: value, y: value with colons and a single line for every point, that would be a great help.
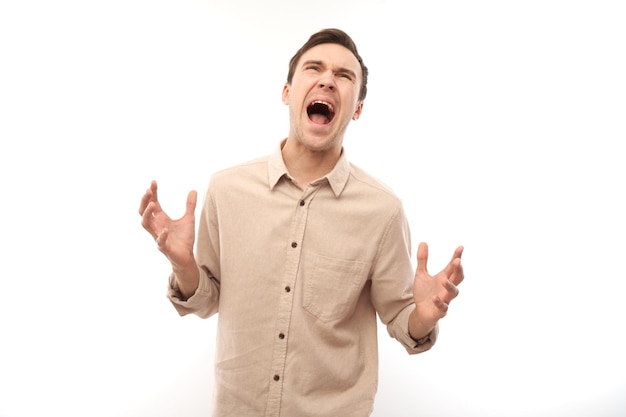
x: 187, y: 279
x: 417, y: 328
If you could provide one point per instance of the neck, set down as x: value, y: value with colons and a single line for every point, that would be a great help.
x: 305, y: 165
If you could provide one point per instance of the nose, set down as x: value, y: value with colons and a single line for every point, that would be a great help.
x: 327, y: 80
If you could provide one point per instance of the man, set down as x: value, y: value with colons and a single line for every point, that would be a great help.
x: 298, y: 251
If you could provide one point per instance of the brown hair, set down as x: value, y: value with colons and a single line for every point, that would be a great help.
x: 330, y: 36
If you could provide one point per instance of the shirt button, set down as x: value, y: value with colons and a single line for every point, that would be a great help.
x: 301, y: 202
x: 276, y: 377
x: 294, y: 244
x: 287, y: 288
x: 281, y: 336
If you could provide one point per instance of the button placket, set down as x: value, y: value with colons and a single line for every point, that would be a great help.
x: 283, y: 321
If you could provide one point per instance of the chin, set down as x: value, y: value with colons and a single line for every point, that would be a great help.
x: 320, y: 145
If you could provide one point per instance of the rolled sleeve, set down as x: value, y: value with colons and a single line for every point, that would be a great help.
x: 204, y: 302
x: 399, y: 329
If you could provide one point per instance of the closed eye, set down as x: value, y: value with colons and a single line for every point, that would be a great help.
x: 312, y: 65
x: 346, y: 76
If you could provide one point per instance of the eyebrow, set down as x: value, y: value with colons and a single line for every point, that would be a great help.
x: 321, y: 63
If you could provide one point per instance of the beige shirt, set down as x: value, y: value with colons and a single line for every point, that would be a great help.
x: 298, y: 278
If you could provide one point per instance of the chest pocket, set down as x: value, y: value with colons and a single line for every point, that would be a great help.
x: 332, y: 287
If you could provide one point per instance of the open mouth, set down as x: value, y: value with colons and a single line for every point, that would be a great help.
x: 320, y: 112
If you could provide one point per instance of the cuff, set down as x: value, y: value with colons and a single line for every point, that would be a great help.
x: 400, y: 331
x: 203, y: 302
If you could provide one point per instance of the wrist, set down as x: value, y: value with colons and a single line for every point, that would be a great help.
x: 417, y: 329
x: 187, y: 279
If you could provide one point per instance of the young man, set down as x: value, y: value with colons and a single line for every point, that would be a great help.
x: 298, y: 251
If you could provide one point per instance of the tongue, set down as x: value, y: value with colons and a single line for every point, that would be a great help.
x: 319, y: 119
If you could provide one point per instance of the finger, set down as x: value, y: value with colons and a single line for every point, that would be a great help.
x: 145, y: 200
x: 153, y: 188
x: 455, y: 263
x: 192, y: 198
x: 146, y: 219
x: 451, y: 291
x: 150, y: 195
x: 441, y: 306
x: 422, y: 257
x: 458, y: 275
x: 458, y: 252
x: 161, y: 239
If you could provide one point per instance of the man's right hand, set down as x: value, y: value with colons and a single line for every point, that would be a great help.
x: 174, y: 238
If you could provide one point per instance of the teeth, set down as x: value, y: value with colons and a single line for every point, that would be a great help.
x: 330, y: 106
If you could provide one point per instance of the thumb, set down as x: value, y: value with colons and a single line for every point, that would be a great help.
x: 192, y: 198
x: 422, y: 257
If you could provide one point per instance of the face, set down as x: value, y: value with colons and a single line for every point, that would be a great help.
x: 323, y: 97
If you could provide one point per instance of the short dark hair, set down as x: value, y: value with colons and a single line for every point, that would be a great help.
x: 336, y: 36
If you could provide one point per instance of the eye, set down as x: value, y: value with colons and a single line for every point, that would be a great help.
x: 345, y: 76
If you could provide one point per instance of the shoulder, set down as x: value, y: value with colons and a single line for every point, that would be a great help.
x: 373, y: 186
x: 371, y: 197
x: 243, y: 172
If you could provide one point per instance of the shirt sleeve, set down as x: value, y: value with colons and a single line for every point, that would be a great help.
x: 392, y: 284
x: 204, y: 302
x: 399, y: 329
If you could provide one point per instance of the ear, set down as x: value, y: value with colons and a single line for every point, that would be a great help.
x: 286, y: 93
x: 357, y: 112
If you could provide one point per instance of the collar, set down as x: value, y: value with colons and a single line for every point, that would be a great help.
x: 337, y: 178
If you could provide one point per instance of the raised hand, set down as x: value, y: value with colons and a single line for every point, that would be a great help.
x: 174, y: 238
x: 433, y: 293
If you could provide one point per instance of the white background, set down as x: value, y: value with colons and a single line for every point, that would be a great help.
x: 500, y: 124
